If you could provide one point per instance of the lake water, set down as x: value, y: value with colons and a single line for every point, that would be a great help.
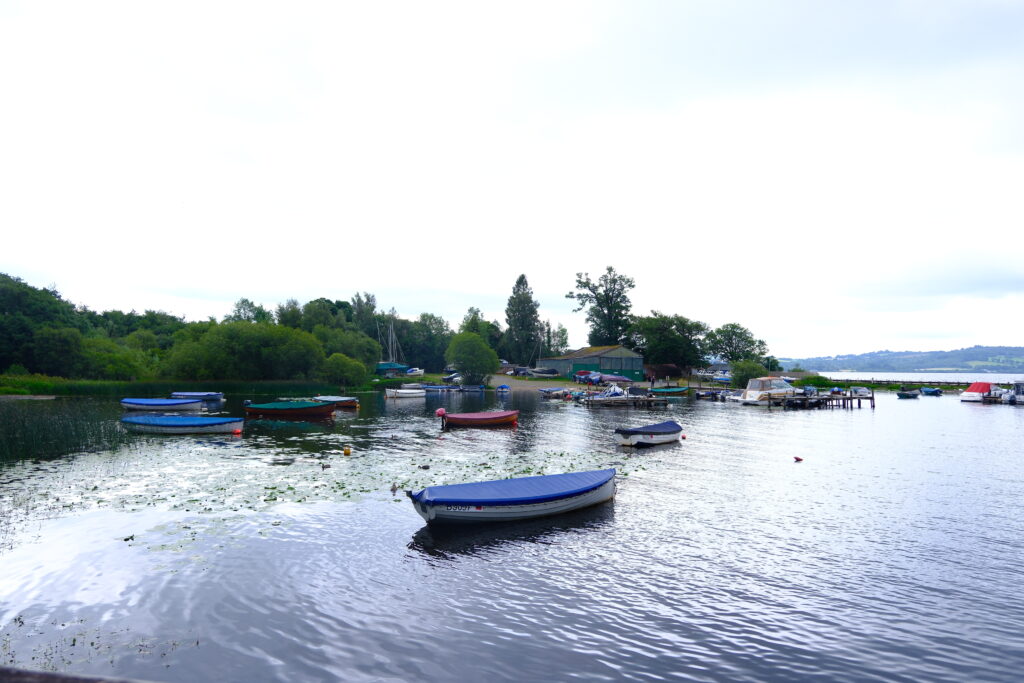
x: 925, y: 377
x: 893, y: 551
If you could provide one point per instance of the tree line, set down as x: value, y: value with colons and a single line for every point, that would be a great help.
x: 336, y: 340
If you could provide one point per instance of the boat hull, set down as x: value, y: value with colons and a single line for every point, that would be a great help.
x: 486, y: 419
x: 338, y: 401
x: 201, y: 395
x: 290, y: 410
x: 681, y: 391
x: 172, y: 424
x: 162, y: 405
x: 405, y: 393
x: 443, y: 513
x: 647, y: 439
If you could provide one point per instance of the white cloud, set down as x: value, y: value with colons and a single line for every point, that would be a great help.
x: 181, y: 157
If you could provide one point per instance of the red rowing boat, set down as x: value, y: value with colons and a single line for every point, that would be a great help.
x: 493, y: 418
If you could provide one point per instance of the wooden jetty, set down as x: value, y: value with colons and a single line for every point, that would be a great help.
x: 624, y: 401
x: 819, y: 401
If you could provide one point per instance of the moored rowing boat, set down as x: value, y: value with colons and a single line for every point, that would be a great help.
x: 514, y: 499
x: 290, y: 409
x: 490, y: 418
x: 339, y: 401
x: 650, y: 435
x: 183, y: 424
x: 162, y: 404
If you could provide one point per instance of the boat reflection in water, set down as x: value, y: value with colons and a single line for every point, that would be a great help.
x: 450, y: 540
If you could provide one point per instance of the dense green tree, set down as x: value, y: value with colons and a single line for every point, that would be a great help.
x: 732, y: 342
x: 364, y: 313
x: 474, y: 322
x: 668, y: 339
x: 143, y: 340
x: 289, y: 314
x: 104, y: 358
x: 607, y: 304
x: 57, y: 351
x: 521, y: 341
x: 248, y: 312
x: 351, y: 343
x: 743, y: 371
x: 340, y: 369
x: 559, y: 342
x: 472, y: 358
x: 428, y: 338
x: 23, y: 310
x: 246, y: 351
x: 317, y: 312
x: 554, y: 340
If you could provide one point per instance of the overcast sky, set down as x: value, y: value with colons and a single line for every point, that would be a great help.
x: 839, y: 177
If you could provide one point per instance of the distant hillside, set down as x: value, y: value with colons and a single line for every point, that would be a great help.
x: 973, y: 359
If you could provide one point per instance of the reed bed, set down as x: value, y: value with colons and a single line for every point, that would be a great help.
x: 50, y: 429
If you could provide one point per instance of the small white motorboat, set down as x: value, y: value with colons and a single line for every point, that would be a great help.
x: 513, y: 499
x: 651, y: 435
x: 404, y: 393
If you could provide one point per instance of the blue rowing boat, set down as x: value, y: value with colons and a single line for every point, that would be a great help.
x: 162, y: 404
x: 513, y: 499
x: 183, y: 424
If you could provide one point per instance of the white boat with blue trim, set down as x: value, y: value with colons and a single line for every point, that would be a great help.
x: 650, y: 435
x: 506, y: 500
x: 162, y: 404
x: 183, y: 424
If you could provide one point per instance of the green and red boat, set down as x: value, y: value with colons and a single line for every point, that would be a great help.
x: 294, y: 410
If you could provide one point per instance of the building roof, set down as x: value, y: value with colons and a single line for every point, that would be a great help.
x: 594, y: 352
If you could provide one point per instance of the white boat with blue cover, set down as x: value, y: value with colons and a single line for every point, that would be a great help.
x: 162, y: 404
x: 506, y: 500
x: 183, y: 424
x: 651, y: 435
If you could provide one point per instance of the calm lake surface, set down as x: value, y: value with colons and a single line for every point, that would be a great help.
x: 893, y: 551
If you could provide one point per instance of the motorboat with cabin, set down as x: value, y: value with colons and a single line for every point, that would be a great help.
x: 762, y: 391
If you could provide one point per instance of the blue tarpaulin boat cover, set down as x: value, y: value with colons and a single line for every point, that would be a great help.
x: 669, y: 427
x: 521, y: 491
x: 159, y: 401
x: 179, y: 420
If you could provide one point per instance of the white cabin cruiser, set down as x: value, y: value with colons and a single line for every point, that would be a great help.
x: 764, y: 390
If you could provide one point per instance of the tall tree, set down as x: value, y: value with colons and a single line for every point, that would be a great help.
x: 732, y: 343
x: 364, y: 313
x: 664, y: 339
x: 428, y: 338
x: 248, y: 312
x: 472, y: 358
x: 559, y: 341
x: 522, y: 336
x: 474, y: 322
x: 289, y: 314
x: 607, y: 304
